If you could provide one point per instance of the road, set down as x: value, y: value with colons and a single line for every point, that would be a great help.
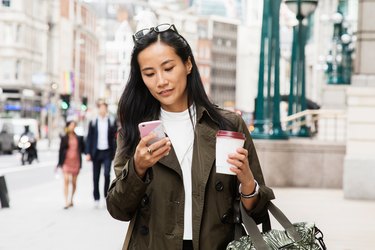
x: 18, y: 176
x: 36, y: 219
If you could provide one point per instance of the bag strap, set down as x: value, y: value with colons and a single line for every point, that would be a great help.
x: 129, y: 233
x: 284, y: 221
x: 256, y: 235
x: 252, y: 229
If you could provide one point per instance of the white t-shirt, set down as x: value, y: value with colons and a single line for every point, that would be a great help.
x: 180, y: 131
x: 103, y: 133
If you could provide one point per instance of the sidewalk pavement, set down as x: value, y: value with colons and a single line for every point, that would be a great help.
x: 346, y: 224
x: 36, y: 219
x: 44, y: 144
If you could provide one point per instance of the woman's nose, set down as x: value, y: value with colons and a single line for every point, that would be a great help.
x: 161, y: 80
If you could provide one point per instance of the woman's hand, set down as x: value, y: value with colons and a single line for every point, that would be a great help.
x: 242, y: 167
x: 244, y: 175
x: 146, y: 156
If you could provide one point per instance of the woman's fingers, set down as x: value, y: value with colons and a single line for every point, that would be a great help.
x: 148, y: 155
x: 239, y: 159
x: 159, y: 149
x: 146, y: 139
x: 241, y: 166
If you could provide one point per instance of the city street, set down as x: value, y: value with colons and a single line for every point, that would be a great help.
x: 19, y: 176
x: 36, y: 219
x: 299, y: 72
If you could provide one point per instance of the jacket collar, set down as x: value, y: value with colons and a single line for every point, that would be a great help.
x: 203, y: 150
x: 171, y: 162
x: 202, y: 113
x: 204, y: 147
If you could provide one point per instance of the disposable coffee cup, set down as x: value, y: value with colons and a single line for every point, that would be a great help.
x: 227, y: 143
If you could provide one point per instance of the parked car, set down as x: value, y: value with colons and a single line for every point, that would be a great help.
x: 6, y: 139
x: 17, y: 127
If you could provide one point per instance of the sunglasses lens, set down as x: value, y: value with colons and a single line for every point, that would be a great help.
x: 141, y: 33
x: 162, y: 27
x: 158, y: 29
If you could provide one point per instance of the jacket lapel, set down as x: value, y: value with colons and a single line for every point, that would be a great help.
x: 171, y: 161
x: 203, y: 154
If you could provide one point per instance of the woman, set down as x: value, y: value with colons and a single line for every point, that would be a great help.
x: 170, y: 189
x: 71, y: 148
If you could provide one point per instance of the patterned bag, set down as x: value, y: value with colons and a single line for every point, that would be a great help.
x: 301, y: 235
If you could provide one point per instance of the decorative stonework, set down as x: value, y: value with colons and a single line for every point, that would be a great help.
x: 359, y: 167
x: 301, y: 162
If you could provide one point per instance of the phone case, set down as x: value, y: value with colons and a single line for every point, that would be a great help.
x: 156, y: 126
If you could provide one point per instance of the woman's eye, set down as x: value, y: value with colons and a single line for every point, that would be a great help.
x: 169, y: 69
x: 149, y: 74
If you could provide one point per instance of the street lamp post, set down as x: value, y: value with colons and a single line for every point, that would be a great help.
x: 297, y: 94
x: 339, y: 59
x: 267, y: 123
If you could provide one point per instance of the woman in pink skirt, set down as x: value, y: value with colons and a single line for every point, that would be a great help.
x: 71, y: 148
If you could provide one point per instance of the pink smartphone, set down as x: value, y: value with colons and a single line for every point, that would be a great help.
x: 156, y: 126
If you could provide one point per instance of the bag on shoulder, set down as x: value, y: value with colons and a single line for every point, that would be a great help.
x: 295, y: 236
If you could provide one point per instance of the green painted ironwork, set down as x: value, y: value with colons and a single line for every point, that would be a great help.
x: 267, y: 123
x: 297, y: 93
x: 339, y: 59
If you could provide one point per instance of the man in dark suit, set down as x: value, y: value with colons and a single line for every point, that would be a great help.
x: 101, y: 147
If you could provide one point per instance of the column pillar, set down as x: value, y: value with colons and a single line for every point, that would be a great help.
x: 359, y: 167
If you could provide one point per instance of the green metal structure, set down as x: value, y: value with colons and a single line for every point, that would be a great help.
x: 267, y: 123
x: 339, y: 59
x: 297, y: 93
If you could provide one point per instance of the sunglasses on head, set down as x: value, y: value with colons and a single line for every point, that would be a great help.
x: 158, y: 29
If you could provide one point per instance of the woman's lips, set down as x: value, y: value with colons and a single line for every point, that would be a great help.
x: 165, y: 92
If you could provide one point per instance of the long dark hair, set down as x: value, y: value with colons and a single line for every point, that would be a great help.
x: 137, y: 104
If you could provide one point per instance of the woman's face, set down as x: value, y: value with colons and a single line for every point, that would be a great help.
x: 165, y: 76
x: 71, y: 127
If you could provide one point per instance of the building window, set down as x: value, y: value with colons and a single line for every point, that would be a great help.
x: 18, y: 33
x: 8, y: 33
x: 6, y: 3
x: 7, y: 69
x: 18, y: 67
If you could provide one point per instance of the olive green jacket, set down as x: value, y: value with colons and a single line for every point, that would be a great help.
x: 156, y: 204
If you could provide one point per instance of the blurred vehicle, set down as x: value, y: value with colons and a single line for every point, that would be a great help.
x: 17, y: 127
x: 6, y: 139
x: 27, y: 148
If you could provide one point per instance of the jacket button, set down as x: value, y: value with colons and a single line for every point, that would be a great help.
x: 143, y: 230
x: 224, y: 218
x: 145, y: 201
x: 219, y: 186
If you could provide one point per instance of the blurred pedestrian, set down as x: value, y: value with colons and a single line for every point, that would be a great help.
x: 101, y: 147
x: 32, y: 150
x: 71, y: 148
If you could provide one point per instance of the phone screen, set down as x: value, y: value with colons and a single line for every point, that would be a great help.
x: 152, y: 126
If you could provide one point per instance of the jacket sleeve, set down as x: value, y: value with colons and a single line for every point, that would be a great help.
x: 265, y: 193
x: 61, y: 150
x: 82, y: 144
x: 88, y: 138
x: 113, y: 138
x: 127, y: 189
